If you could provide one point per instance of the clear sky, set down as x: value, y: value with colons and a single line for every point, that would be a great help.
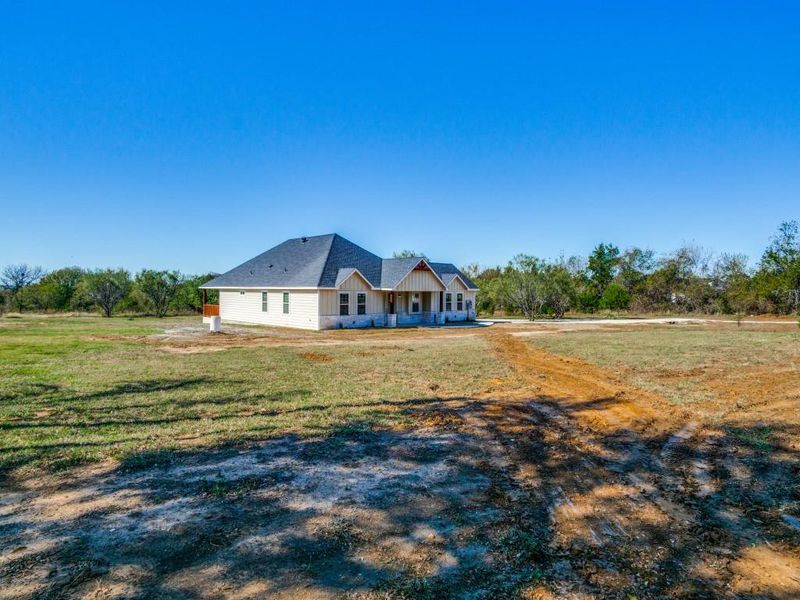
x: 195, y: 135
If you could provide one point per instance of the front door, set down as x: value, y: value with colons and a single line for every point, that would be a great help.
x: 414, y: 303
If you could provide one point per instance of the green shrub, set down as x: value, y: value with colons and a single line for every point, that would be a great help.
x: 615, y: 297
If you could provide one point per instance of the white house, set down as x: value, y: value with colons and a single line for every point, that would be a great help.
x: 326, y: 281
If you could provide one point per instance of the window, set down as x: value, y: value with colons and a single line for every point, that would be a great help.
x: 459, y: 301
x: 286, y: 303
x: 414, y: 303
x: 263, y: 301
x: 361, y: 304
x: 448, y: 301
x: 344, y: 304
x: 242, y: 293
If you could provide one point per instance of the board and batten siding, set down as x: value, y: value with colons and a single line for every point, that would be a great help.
x: 244, y: 306
x: 329, y: 301
x: 456, y: 286
x: 353, y: 285
x: 420, y: 281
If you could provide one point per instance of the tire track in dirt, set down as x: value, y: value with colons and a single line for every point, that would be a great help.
x: 645, y: 483
x: 593, y: 514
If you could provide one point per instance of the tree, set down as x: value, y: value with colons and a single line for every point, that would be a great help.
x: 190, y: 298
x: 602, y: 266
x: 408, y: 254
x: 784, y: 249
x: 587, y: 299
x: 15, y: 278
x: 489, y: 298
x: 728, y: 268
x: 732, y: 283
x: 157, y: 289
x: 616, y: 297
x: 106, y: 288
x: 524, y: 287
x: 558, y: 289
x: 679, y: 281
x: 780, y: 268
x: 472, y: 270
x: 635, y: 264
x: 57, y: 289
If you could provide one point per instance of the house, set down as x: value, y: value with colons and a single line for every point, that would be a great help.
x: 326, y: 282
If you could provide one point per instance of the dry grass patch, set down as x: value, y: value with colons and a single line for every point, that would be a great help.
x: 316, y: 356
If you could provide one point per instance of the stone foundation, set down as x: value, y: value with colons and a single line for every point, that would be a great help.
x: 387, y: 320
x: 352, y: 321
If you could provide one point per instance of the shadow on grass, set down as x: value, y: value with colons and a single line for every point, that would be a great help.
x: 494, y: 499
x: 55, y: 438
x: 41, y: 393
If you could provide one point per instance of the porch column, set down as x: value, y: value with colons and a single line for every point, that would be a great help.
x: 391, y: 317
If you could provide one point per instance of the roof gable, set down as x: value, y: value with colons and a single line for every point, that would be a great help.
x: 347, y: 273
x: 443, y: 269
x: 449, y: 278
x: 395, y: 270
x: 344, y: 254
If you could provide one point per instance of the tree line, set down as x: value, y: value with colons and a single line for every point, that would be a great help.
x: 688, y: 280
x: 29, y: 288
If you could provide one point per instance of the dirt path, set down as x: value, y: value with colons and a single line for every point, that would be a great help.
x: 641, y: 494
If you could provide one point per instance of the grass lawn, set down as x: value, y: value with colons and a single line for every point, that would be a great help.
x: 81, y: 389
x: 690, y: 365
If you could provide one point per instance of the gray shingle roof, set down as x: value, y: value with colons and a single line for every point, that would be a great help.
x: 448, y: 277
x: 344, y: 275
x: 321, y: 261
x: 345, y: 254
x: 448, y: 269
x: 394, y: 269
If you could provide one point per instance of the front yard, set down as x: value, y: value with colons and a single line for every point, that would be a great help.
x: 76, y: 390
x: 147, y: 458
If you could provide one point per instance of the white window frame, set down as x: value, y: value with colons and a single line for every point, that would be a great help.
x: 345, y: 295
x: 459, y: 301
x: 286, y: 302
x: 360, y: 295
x: 448, y: 301
x: 264, y: 301
x: 411, y: 310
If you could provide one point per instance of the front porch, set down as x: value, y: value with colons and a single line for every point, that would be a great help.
x: 414, y: 308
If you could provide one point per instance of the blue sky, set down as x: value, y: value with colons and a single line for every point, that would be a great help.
x: 196, y: 135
